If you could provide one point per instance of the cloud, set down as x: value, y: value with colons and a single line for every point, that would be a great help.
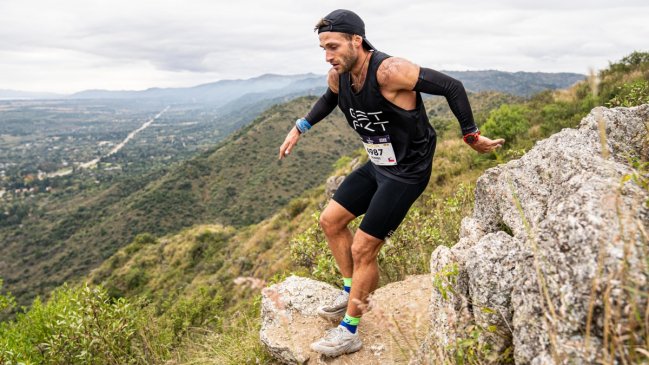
x: 89, y: 44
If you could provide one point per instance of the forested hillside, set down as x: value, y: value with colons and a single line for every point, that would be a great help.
x: 192, y: 297
x: 238, y: 182
x: 70, y: 239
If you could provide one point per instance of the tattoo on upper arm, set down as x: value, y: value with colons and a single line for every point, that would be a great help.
x: 395, y: 71
x: 387, y: 70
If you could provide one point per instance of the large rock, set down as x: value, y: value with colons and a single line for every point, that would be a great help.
x: 333, y: 182
x: 391, y: 331
x: 555, y: 237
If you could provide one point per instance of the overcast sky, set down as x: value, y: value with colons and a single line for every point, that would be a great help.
x: 71, y: 45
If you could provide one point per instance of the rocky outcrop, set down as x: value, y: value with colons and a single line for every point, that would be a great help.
x: 333, y: 182
x: 391, y: 330
x: 550, y: 268
x: 556, y: 238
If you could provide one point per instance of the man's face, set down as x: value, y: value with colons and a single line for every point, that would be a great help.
x: 338, y: 51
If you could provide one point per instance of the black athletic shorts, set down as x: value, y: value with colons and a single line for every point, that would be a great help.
x: 384, y: 201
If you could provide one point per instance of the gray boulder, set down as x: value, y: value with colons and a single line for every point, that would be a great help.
x: 556, y: 237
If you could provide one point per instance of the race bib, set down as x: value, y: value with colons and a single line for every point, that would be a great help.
x: 380, y: 150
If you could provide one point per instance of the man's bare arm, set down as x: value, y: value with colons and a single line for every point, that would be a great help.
x: 397, y: 74
x: 332, y: 80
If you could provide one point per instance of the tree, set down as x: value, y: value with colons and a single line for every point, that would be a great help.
x: 508, y: 122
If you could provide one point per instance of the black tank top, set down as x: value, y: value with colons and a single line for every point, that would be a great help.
x: 400, y: 142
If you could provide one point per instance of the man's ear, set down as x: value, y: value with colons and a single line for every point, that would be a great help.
x: 357, y: 41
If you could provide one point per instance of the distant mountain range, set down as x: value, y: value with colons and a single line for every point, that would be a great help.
x: 257, y: 88
x: 516, y: 83
x: 216, y: 93
x: 15, y: 94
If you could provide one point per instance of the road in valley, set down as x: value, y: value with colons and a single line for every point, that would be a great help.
x: 94, y: 162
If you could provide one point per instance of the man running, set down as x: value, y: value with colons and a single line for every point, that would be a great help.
x: 380, y: 97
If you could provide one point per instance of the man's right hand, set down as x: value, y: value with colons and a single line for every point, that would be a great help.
x: 484, y: 144
x: 290, y: 141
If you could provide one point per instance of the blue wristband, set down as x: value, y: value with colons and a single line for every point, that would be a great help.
x: 302, y: 125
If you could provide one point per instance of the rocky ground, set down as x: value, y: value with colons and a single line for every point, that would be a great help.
x: 391, y: 331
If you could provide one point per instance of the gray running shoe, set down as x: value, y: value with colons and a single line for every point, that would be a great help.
x: 338, y: 341
x: 336, y: 310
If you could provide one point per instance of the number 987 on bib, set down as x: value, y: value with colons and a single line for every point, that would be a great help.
x: 380, y: 150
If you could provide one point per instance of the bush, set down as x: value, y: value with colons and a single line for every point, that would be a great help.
x: 629, y: 63
x: 310, y: 250
x: 631, y: 94
x: 556, y: 116
x: 433, y: 221
x: 81, y: 325
x: 296, y: 206
x: 145, y: 239
x: 508, y: 122
x: 195, y: 310
x: 342, y: 162
x: 7, y: 301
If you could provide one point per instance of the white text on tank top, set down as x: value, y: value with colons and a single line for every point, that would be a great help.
x: 378, y: 147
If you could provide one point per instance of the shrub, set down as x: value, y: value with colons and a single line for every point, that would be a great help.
x: 296, y: 206
x: 195, y: 310
x: 628, y: 63
x: 342, y: 162
x: 556, y: 116
x: 433, y: 221
x: 135, y: 279
x: 145, y: 239
x: 631, y: 94
x: 310, y: 250
x: 508, y: 122
x: 7, y: 301
x: 82, y: 325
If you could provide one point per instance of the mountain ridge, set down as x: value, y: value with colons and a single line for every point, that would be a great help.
x: 474, y: 81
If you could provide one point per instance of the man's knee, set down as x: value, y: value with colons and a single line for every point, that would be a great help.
x: 334, y: 218
x: 365, y: 248
x: 330, y: 224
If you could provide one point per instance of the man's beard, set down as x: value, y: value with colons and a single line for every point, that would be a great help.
x: 348, y: 61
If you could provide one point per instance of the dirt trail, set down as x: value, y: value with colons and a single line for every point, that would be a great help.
x: 391, y: 331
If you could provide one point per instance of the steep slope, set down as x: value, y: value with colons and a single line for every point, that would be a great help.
x: 238, y: 182
x: 71, y: 239
x: 177, y: 284
x: 243, y: 182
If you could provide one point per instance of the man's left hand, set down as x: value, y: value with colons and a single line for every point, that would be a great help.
x: 484, y: 144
